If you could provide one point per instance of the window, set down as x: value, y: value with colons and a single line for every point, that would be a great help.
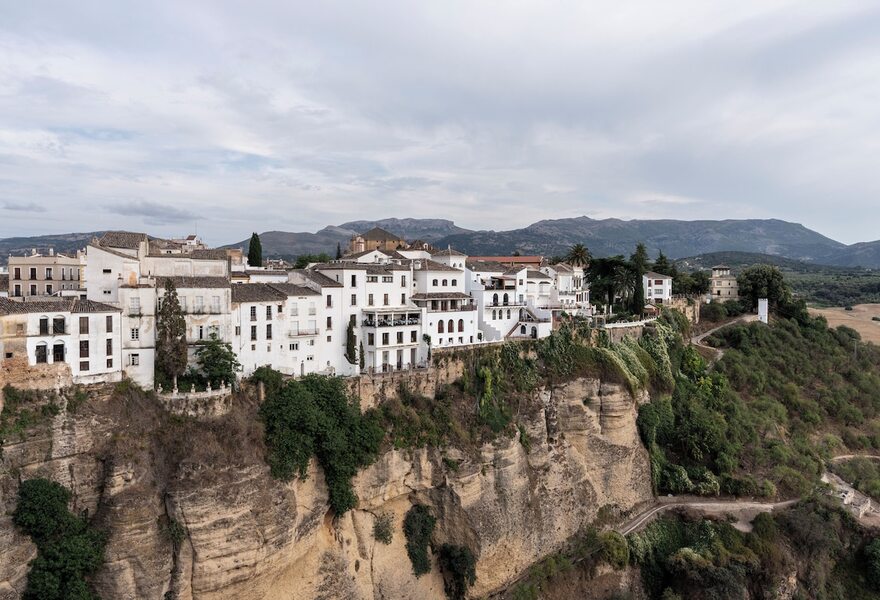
x: 135, y: 360
x: 403, y: 281
x: 237, y: 330
x: 199, y: 304
x: 109, y: 345
x: 494, y: 315
x: 412, y: 336
x: 135, y: 304
x: 215, y: 304
x: 49, y: 273
x: 253, y: 313
x: 384, y: 299
x: 387, y: 278
x: 445, y: 283
x: 17, y: 291
x: 33, y: 272
x: 49, y: 289
x: 42, y: 354
x: 135, y: 334
x: 461, y: 324
x: 371, y: 339
x: 369, y: 299
x: 294, y: 310
x: 253, y: 332
x: 109, y: 324
x: 201, y: 332
x: 354, y: 280
x: 354, y: 299
x: 83, y: 325
x: 269, y: 331
x: 329, y: 301
x: 372, y: 278
x: 83, y: 365
x: 294, y: 346
x: 109, y: 363
x: 508, y: 313
x: 440, y: 326
x: 434, y: 283
x: 182, y: 301
x: 403, y: 298
x: 386, y: 339
x: 106, y: 271
x: 58, y: 326
x: 329, y: 322
x: 310, y: 357
x: 451, y: 327
x: 84, y: 349
x: 399, y: 337
x: 329, y: 338
x: 454, y: 283
x: 33, y: 290
x: 268, y: 313
x: 17, y: 273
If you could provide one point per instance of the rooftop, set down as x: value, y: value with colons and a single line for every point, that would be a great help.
x: 127, y: 240
x: 256, y: 292
x: 377, y: 234
x: 291, y: 289
x: 72, y: 305
x: 182, y: 282
x: 653, y: 275
x: 448, y: 252
x: 318, y: 278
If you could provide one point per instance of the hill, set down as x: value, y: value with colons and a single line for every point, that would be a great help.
x: 65, y: 243
x: 675, y: 238
x: 865, y: 254
x: 737, y: 260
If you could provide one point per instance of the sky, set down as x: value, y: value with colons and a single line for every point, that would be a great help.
x: 229, y: 117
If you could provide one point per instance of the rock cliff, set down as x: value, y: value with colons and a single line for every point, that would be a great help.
x: 192, y: 512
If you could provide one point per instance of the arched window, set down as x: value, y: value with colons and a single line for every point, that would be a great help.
x: 445, y: 282
x: 534, y: 332
x: 435, y: 283
x: 440, y: 326
x: 451, y: 327
x: 494, y: 315
x: 508, y: 313
x: 506, y: 300
x: 495, y: 299
x: 522, y: 329
x: 461, y: 324
x: 454, y: 283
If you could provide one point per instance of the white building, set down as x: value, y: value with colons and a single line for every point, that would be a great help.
x: 450, y: 315
x: 657, y: 287
x: 79, y: 335
x: 723, y: 284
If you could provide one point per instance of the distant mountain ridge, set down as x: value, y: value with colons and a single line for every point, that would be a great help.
x: 604, y: 237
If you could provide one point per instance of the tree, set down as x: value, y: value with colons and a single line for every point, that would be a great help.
x: 459, y: 567
x: 361, y: 356
x: 350, y: 344
x: 171, y: 351
x: 578, y: 256
x: 304, y: 260
x: 662, y: 266
x: 255, y: 251
x: 217, y: 360
x: 602, y: 277
x: 338, y: 251
x: 639, y: 262
x: 763, y: 281
x: 625, y: 283
x: 701, y: 282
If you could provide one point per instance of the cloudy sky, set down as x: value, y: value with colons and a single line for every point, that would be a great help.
x: 165, y: 116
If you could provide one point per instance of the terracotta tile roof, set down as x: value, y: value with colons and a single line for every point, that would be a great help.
x: 71, y: 305
x: 563, y: 268
x: 448, y: 252
x: 356, y: 255
x: 486, y: 265
x: 439, y: 295
x: 317, y: 278
x: 377, y: 234
x: 371, y: 268
x: 291, y: 289
x: 122, y: 239
x: 433, y: 265
x: 518, y: 260
x: 533, y: 274
x: 182, y: 282
x: 653, y: 275
x: 256, y: 292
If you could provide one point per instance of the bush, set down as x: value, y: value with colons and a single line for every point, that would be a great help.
x: 69, y: 551
x: 418, y: 525
x: 615, y: 550
x: 383, y: 528
x: 315, y: 416
x: 459, y: 565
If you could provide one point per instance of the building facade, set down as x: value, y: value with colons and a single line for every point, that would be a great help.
x: 723, y: 284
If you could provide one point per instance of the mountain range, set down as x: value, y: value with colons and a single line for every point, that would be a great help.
x: 604, y: 237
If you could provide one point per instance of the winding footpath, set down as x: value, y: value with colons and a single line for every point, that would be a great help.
x: 746, y: 508
x: 697, y: 340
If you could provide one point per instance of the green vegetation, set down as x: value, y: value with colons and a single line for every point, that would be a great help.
x: 255, y: 251
x: 351, y: 344
x: 418, y: 525
x: 718, y: 311
x: 459, y: 568
x: 383, y: 528
x: 24, y: 410
x: 171, y: 349
x: 217, y: 361
x: 314, y: 416
x: 862, y: 473
x: 615, y: 550
x: 69, y: 551
x: 704, y: 559
x: 763, y: 281
x: 304, y: 260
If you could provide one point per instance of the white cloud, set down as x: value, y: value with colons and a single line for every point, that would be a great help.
x: 294, y: 115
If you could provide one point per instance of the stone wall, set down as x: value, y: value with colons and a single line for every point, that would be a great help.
x: 374, y: 389
x: 209, y: 404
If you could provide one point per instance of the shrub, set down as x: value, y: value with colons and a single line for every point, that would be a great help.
x: 418, y: 525
x: 615, y: 550
x: 383, y: 528
x: 69, y: 551
x: 459, y: 566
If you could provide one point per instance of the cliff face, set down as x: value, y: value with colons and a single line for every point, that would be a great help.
x: 248, y: 536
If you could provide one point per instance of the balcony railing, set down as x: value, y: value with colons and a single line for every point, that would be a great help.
x: 456, y: 309
x: 302, y: 332
x: 391, y: 322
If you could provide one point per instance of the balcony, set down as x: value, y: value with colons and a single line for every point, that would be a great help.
x: 392, y: 322
x: 303, y: 332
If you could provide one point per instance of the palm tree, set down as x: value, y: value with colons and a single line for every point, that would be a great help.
x: 625, y: 282
x: 578, y: 256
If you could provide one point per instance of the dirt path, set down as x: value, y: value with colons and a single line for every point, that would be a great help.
x: 744, y: 508
x: 697, y: 340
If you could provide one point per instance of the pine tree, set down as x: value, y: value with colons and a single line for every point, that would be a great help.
x: 255, y: 251
x: 170, y: 334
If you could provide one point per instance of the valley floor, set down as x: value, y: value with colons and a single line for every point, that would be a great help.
x: 859, y: 318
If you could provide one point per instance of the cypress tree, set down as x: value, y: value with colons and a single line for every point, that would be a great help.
x: 639, y: 262
x: 255, y: 251
x: 338, y: 251
x: 170, y: 334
